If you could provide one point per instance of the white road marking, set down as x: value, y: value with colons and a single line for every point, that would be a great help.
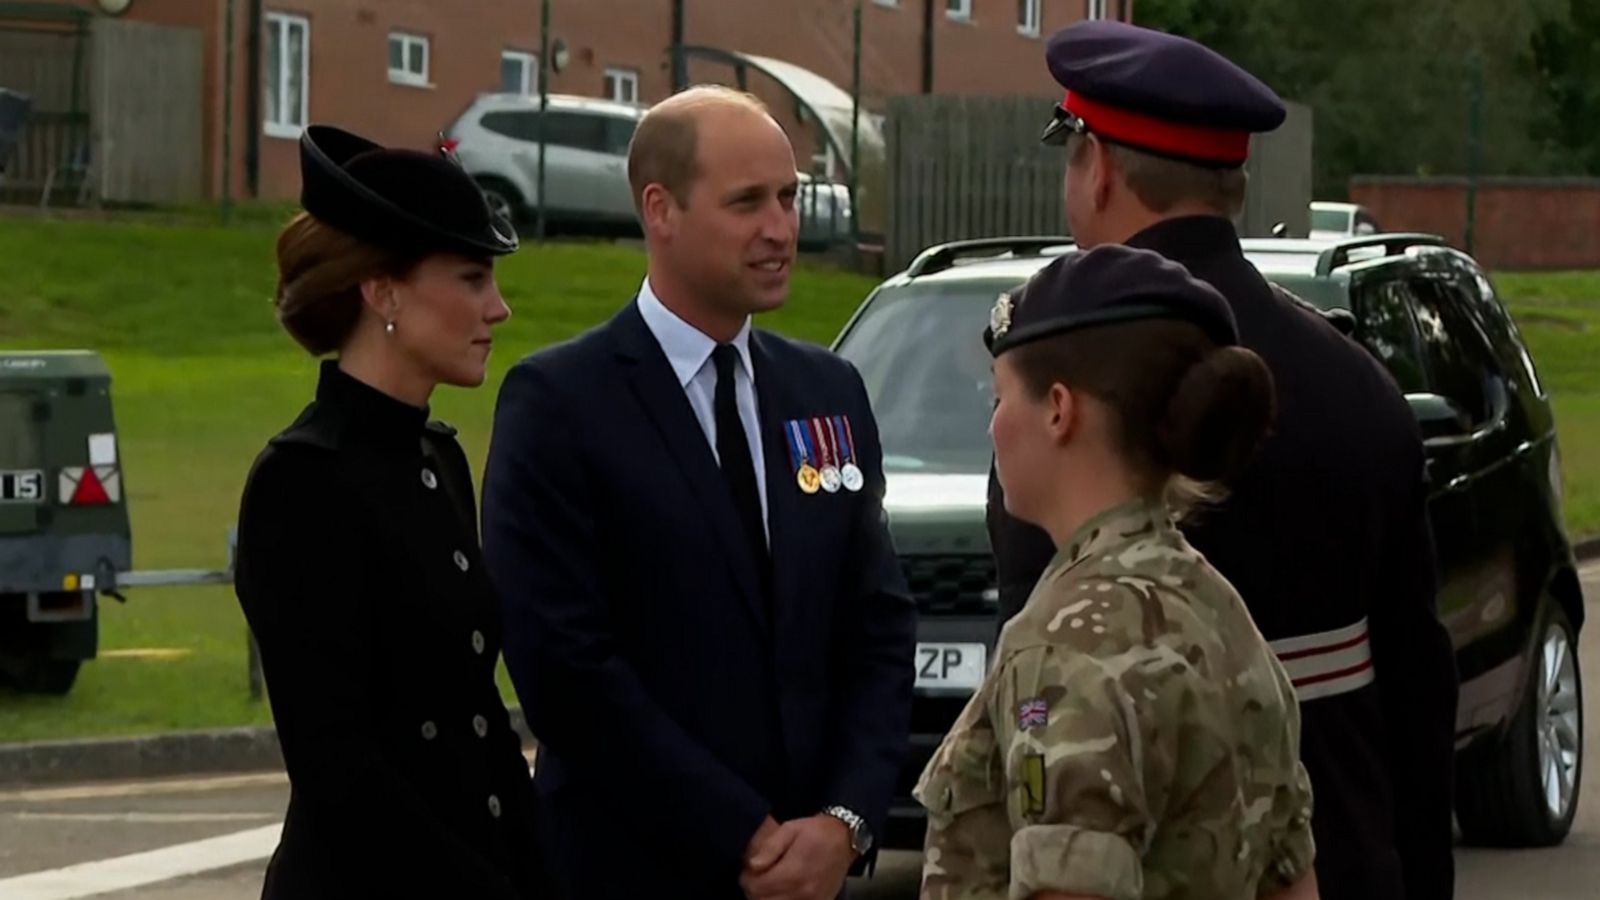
x: 138, y: 869
x: 141, y: 788
x: 143, y: 818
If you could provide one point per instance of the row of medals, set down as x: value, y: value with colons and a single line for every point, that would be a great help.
x: 830, y: 478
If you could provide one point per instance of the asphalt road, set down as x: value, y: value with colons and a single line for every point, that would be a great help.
x: 209, y: 838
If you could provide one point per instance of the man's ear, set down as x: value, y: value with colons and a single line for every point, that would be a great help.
x: 658, y: 210
x: 1103, y: 173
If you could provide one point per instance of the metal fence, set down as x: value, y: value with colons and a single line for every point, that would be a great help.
x: 116, y: 108
x: 45, y: 59
x: 963, y: 167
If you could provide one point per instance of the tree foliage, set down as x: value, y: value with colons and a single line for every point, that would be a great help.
x: 1392, y: 84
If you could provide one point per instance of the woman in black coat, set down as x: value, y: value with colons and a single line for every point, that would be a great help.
x: 358, y: 565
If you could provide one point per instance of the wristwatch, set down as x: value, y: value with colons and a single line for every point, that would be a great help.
x: 860, y: 834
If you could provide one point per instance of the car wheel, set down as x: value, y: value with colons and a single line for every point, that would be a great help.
x: 1522, y: 789
x: 41, y: 676
x: 504, y: 201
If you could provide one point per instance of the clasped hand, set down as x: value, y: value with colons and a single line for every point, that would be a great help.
x: 803, y: 859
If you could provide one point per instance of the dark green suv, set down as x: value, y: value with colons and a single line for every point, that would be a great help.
x: 1509, y: 590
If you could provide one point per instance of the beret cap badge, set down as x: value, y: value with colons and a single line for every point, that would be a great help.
x: 1000, y: 316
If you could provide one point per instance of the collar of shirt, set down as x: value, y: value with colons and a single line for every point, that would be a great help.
x: 687, y: 347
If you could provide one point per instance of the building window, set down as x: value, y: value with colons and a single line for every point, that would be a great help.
x: 887, y: 2
x: 958, y: 9
x: 519, y: 72
x: 622, y: 85
x: 1097, y: 9
x: 1028, y: 17
x: 286, y: 77
x: 408, y: 59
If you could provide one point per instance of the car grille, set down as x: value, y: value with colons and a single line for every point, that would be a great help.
x: 950, y: 584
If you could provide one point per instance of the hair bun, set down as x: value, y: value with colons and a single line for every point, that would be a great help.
x: 1219, y: 415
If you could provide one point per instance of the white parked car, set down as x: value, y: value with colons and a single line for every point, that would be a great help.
x: 586, y: 164
x: 1337, y: 221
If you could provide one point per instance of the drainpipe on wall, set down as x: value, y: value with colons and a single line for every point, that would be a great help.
x: 252, y: 102
x: 227, y: 111
x: 927, y: 45
x: 680, y: 66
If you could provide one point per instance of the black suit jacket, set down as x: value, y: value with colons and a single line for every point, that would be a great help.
x: 359, y: 572
x: 673, y: 710
x: 1327, y: 526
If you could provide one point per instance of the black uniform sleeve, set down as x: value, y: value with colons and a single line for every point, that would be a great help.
x: 875, y: 649
x: 305, y: 603
x: 1415, y: 666
x: 579, y: 694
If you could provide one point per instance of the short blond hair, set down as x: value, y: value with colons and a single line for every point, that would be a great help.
x: 1161, y: 183
x: 665, y: 146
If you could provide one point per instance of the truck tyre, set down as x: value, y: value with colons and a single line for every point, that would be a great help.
x: 42, y: 676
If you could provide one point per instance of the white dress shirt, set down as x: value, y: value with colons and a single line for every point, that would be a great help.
x: 688, y: 349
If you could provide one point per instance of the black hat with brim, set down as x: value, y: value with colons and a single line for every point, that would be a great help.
x: 405, y: 200
x: 1108, y: 285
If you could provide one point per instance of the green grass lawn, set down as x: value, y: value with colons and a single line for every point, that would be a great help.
x: 1559, y: 316
x: 202, y: 377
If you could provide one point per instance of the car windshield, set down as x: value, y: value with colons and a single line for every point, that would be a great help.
x: 1330, y: 220
x: 920, y: 350
x: 19, y: 442
x: 1296, y: 273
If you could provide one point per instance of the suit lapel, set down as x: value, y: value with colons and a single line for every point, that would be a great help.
x: 656, y: 387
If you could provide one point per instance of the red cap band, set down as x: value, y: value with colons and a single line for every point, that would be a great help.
x: 1217, y: 145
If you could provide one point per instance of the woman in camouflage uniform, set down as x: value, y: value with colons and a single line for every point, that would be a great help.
x: 1135, y: 737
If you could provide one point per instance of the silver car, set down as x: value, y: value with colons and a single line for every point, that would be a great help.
x: 586, y: 164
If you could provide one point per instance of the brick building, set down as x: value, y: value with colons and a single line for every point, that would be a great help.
x: 401, y: 70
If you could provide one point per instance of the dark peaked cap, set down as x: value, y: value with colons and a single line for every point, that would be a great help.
x: 1157, y: 92
x: 1108, y: 285
x: 400, y: 199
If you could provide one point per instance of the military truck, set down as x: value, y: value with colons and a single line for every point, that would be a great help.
x: 64, y: 530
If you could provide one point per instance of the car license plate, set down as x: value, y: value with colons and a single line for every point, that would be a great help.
x: 951, y: 665
x: 22, y: 487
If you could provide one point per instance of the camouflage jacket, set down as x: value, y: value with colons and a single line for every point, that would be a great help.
x: 1135, y: 738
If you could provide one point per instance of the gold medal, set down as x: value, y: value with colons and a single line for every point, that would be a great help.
x: 809, y: 479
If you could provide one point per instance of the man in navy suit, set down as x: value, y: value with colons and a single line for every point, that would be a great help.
x: 705, y: 620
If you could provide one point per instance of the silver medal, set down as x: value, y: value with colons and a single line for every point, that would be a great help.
x: 831, y: 479
x: 852, y: 477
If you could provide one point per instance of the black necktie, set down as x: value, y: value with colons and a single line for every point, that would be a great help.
x: 733, y: 449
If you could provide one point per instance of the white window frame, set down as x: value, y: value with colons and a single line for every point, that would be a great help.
x: 1035, y: 17
x: 408, y: 39
x: 1098, y: 9
x: 281, y: 24
x: 888, y: 3
x: 620, y: 76
x: 963, y: 11
x: 530, y: 69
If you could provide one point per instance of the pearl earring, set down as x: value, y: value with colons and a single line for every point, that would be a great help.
x: 388, y: 327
